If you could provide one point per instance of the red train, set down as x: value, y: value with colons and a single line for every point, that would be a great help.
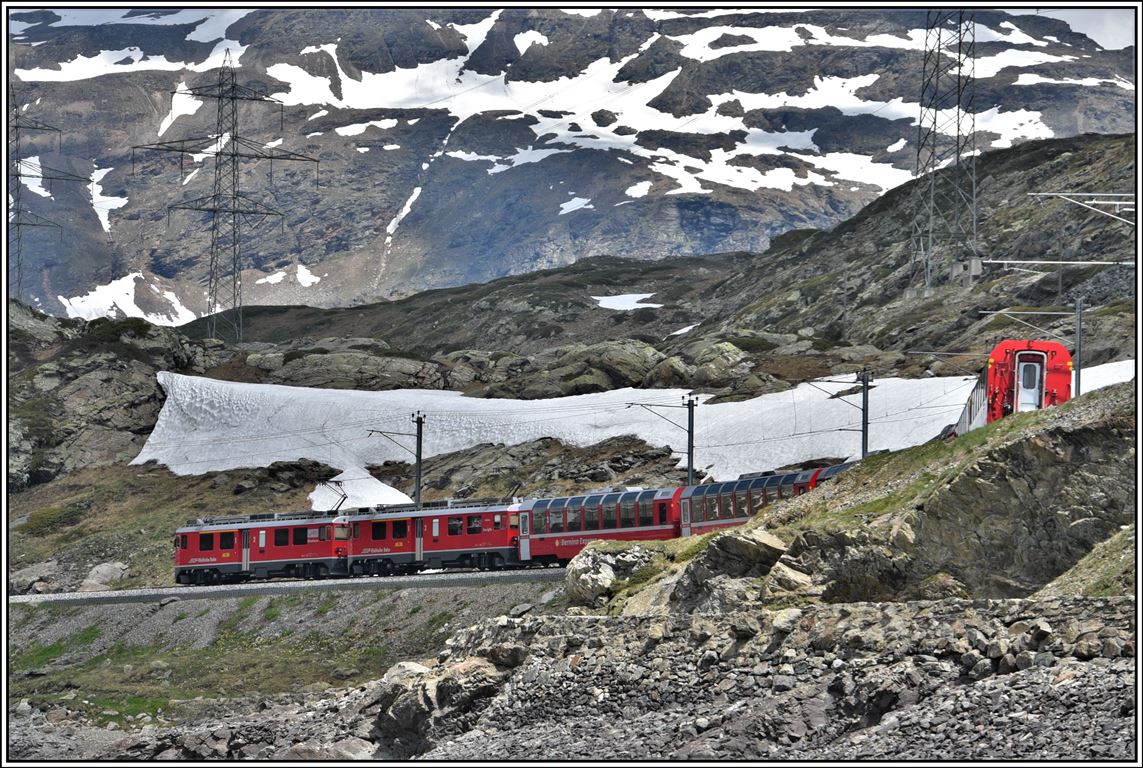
x: 464, y: 534
x: 1020, y: 376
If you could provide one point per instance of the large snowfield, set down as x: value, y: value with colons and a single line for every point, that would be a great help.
x: 208, y: 425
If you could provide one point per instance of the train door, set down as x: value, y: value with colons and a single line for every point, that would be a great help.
x: 419, y: 528
x: 246, y: 550
x: 685, y: 517
x: 525, y: 536
x: 1029, y: 381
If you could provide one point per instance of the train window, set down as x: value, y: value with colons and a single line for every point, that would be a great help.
x: 540, y: 517
x: 261, y: 539
x: 436, y: 528
x: 323, y: 533
x: 646, y: 512
x: 514, y: 520
x: 726, y: 503
x: 609, y: 502
x: 1031, y: 376
x: 575, y: 516
x: 497, y: 522
x: 556, y: 515
x: 685, y: 509
x: 378, y: 532
x: 301, y: 536
x: 591, y: 518
x: 627, y: 510
x: 662, y: 506
x: 281, y: 537
x: 340, y: 532
x: 400, y: 529
x: 357, y: 530
x: 712, y: 504
x: 184, y: 541
x: 205, y: 542
x: 455, y: 525
x: 474, y: 524
x: 226, y: 540
x: 757, y: 499
x: 698, y: 504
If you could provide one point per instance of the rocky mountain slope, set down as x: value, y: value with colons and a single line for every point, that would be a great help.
x: 846, y: 285
x: 460, y: 145
x: 799, y: 636
x: 734, y: 325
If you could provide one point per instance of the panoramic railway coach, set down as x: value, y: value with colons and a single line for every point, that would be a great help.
x: 555, y: 530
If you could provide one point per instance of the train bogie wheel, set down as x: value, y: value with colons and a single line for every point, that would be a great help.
x: 321, y: 571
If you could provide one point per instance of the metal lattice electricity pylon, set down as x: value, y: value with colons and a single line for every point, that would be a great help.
x: 19, y: 216
x: 226, y: 201
x: 944, y: 223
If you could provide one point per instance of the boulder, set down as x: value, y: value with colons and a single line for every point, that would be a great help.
x: 28, y: 579
x: 102, y: 576
x: 594, y: 574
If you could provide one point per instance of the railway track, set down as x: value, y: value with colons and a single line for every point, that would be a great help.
x: 421, y: 581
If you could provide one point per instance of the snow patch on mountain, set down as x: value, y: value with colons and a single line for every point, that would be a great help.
x: 359, y: 128
x: 32, y: 176
x: 638, y: 190
x: 523, y: 157
x: 182, y: 103
x: 575, y: 204
x: 990, y: 66
x: 1013, y: 35
x: 131, y: 59
x: 118, y: 299
x: 102, y: 204
x: 273, y: 279
x: 464, y: 93
x: 212, y: 150
x: 526, y: 40
x: 306, y: 278
x: 626, y: 301
x: 474, y: 34
x: 212, y: 23
x: 1030, y: 78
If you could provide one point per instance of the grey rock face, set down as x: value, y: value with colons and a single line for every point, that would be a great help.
x: 102, y: 576
x: 592, y: 575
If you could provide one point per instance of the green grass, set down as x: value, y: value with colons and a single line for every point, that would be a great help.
x: 50, y: 520
x: 40, y: 655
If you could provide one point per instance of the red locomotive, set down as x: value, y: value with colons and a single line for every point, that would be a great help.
x: 380, y: 541
x: 1020, y: 376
